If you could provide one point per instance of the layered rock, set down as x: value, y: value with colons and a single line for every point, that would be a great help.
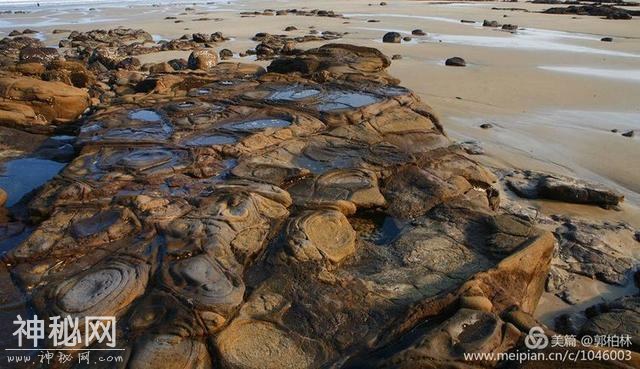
x: 312, y: 216
x: 32, y: 104
x: 533, y: 185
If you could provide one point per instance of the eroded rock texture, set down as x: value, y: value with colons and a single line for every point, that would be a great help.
x: 313, y: 216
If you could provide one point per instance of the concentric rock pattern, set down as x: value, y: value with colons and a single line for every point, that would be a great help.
x: 312, y: 216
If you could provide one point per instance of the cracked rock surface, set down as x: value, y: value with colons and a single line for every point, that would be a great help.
x: 310, y: 215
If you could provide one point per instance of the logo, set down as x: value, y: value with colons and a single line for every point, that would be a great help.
x: 536, y: 339
x: 67, y: 332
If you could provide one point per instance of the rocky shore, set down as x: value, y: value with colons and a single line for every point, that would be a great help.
x: 310, y: 214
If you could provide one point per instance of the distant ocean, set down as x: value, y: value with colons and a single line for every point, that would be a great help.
x: 30, y: 4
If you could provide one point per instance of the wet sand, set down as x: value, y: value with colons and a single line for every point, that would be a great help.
x: 553, y: 91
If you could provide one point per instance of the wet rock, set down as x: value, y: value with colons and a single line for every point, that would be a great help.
x: 299, y: 217
x: 629, y: 133
x: 418, y: 32
x: 202, y: 59
x: 492, y: 23
x: 290, y: 28
x: 226, y: 54
x: 201, y: 37
x: 108, y: 57
x: 392, y: 37
x: 455, y: 61
x: 10, y: 47
x: 3, y: 197
x: 117, y: 36
x: 339, y: 59
x: 179, y: 64
x: 606, y: 39
x: 510, y: 27
x: 472, y: 147
x: 32, y: 104
x: 541, y: 185
x: 42, y: 55
x: 486, y: 125
x: 161, y: 68
x: 607, y: 11
x: 396, y: 57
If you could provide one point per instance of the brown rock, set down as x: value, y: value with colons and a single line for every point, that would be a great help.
x: 28, y: 103
x: 202, y: 59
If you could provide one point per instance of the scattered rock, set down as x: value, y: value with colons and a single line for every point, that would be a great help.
x: 607, y: 11
x: 488, y: 23
x: 510, y: 27
x: 533, y: 185
x: 396, y: 57
x: 203, y: 59
x: 486, y: 125
x: 392, y: 37
x: 472, y: 147
x: 455, y: 61
x: 226, y: 54
x: 43, y: 55
x: 606, y: 39
x: 630, y: 133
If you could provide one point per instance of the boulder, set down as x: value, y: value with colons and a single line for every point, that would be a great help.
x: 31, y: 104
x: 455, y: 61
x: 42, y: 55
x: 202, y: 59
x: 607, y: 11
x: 392, y: 37
x: 532, y: 185
x: 226, y: 54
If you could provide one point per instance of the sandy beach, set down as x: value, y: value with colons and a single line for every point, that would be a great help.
x: 556, y: 98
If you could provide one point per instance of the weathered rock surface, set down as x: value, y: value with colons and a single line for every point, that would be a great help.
x: 618, y: 318
x: 533, y: 185
x: 202, y: 59
x: 607, y: 11
x: 32, y: 104
x: 314, y: 215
